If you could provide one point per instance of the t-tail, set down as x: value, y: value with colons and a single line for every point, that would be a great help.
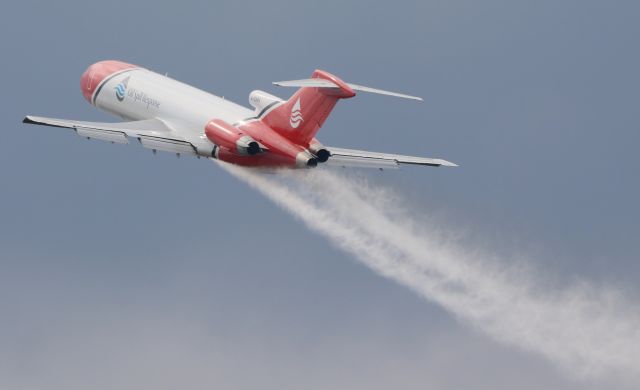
x: 300, y: 117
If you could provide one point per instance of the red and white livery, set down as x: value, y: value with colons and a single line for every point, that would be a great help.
x: 167, y: 115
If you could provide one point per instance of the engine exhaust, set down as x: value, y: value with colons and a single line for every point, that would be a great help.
x: 318, y: 150
x: 322, y: 155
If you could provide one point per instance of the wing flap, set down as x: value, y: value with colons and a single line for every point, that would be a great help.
x: 360, y: 162
x: 365, y: 157
x: 103, y: 135
x: 167, y: 145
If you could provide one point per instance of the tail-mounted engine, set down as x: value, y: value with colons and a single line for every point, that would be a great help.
x: 231, y: 138
x: 318, y: 150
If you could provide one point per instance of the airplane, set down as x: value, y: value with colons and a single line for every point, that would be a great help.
x: 167, y: 115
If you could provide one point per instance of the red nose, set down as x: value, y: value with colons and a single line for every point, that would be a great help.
x: 95, y: 74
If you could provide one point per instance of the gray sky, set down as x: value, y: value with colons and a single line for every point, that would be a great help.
x: 123, y: 269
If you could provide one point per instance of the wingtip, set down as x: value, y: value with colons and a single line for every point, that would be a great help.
x: 27, y: 119
x: 446, y: 163
x: 409, y: 97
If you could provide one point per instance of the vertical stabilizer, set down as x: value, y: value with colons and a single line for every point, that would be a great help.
x: 300, y: 117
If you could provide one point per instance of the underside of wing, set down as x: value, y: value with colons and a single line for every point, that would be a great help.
x: 152, y: 133
x: 366, y: 159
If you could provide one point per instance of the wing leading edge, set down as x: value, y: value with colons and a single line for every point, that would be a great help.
x: 152, y: 133
x: 366, y: 159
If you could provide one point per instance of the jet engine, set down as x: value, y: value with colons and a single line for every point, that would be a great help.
x: 231, y: 138
x: 318, y: 150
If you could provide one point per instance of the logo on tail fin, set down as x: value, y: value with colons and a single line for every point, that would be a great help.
x: 296, y: 115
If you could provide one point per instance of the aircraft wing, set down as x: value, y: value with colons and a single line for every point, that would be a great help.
x: 152, y: 133
x: 366, y: 159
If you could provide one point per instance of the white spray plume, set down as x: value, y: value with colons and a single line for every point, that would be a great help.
x: 588, y: 332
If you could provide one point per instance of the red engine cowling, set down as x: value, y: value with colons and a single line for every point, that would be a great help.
x: 231, y: 138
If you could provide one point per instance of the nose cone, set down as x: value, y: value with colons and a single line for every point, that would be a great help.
x: 95, y: 74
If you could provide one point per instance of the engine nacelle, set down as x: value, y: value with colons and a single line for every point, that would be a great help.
x: 231, y: 138
x: 260, y: 99
x: 318, y: 150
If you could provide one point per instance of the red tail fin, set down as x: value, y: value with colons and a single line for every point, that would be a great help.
x: 300, y: 117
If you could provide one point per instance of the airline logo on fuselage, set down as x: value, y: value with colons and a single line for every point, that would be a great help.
x: 296, y: 115
x: 121, y: 89
x: 137, y: 96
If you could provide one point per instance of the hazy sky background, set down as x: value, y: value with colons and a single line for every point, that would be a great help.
x: 121, y: 269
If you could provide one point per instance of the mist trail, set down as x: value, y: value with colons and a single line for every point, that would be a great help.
x: 586, y: 331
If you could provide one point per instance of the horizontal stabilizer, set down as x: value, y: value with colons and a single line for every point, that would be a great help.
x: 324, y: 83
x: 382, y: 92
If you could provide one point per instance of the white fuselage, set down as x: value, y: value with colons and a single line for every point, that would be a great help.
x: 149, y: 95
